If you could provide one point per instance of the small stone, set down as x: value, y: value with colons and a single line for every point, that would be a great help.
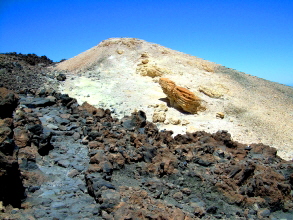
x: 85, y: 141
x: 120, y: 52
x: 263, y: 213
x: 21, y: 137
x: 220, y: 115
x: 144, y: 55
x: 161, y: 108
x: 145, y: 61
x: 178, y: 196
x: 159, y: 117
x: 199, y: 211
x: 61, y: 77
x: 51, y: 98
x: 65, y: 116
x: 76, y: 136
x: 14, y: 211
x: 184, y: 122
x: 27, y: 110
x: 186, y: 191
x: 51, y: 126
x: 73, y: 173
x: 153, y: 106
x: 93, y: 144
x: 174, y: 121
x: 63, y: 163
x: 58, y: 205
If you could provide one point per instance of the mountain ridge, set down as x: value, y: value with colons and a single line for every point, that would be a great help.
x: 116, y: 72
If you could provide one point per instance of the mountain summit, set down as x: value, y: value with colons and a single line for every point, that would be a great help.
x: 123, y: 74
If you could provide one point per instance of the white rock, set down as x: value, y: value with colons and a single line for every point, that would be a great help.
x: 159, y: 117
x: 174, y: 121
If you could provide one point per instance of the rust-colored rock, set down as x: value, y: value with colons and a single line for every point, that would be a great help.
x: 181, y: 97
x: 93, y: 110
x: 21, y: 137
x: 8, y: 102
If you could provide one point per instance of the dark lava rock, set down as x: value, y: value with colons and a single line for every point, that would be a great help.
x: 11, y: 187
x: 23, y: 73
x: 61, y: 77
x: 133, y: 170
x: 44, y: 144
x: 36, y: 129
x: 136, y: 120
x: 39, y: 102
x: 8, y: 102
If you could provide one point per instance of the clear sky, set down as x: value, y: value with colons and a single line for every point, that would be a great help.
x: 252, y: 36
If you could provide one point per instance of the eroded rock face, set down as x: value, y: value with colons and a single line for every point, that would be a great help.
x: 151, y: 70
x: 181, y: 97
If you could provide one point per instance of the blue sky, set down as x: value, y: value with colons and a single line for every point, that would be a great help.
x: 255, y: 37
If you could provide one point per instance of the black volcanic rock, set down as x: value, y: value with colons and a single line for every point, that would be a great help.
x: 23, y: 73
x: 131, y: 169
x: 8, y: 102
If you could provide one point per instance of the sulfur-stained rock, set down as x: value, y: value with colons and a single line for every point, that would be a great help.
x: 151, y: 70
x: 145, y: 61
x: 220, y: 115
x: 181, y: 97
x: 161, y: 108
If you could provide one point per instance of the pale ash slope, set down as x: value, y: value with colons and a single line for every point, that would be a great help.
x: 255, y: 110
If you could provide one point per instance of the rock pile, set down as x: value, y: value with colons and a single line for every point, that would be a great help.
x: 80, y: 162
x: 19, y: 72
x: 11, y: 187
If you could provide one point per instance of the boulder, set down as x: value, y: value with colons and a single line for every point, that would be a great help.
x: 136, y: 120
x: 8, y: 102
x: 181, y: 97
x: 99, y: 112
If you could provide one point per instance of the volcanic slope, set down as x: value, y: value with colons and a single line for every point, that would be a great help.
x: 123, y: 74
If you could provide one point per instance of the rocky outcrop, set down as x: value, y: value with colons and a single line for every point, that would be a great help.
x: 181, y: 97
x: 11, y: 187
x: 151, y: 70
